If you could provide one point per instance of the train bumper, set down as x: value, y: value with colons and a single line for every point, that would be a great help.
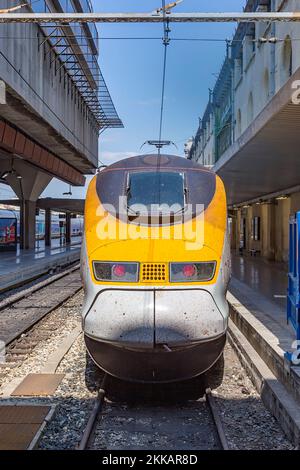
x: 148, y: 316
x: 155, y: 334
x: 155, y: 364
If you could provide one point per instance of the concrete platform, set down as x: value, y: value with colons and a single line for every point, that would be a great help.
x: 24, y: 265
x: 274, y: 395
x: 268, y: 279
x: 257, y: 297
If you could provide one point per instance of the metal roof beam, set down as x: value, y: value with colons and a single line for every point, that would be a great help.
x: 66, y: 18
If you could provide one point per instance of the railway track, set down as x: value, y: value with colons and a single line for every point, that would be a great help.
x: 189, y: 425
x: 11, y: 296
x: 25, y: 316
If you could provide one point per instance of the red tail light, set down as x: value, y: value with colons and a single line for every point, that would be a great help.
x: 202, y: 271
x: 116, y: 272
x: 119, y: 270
x: 189, y: 270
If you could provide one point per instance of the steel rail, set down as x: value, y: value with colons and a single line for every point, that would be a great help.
x: 98, y: 406
x: 216, y: 417
x: 7, y: 302
x: 27, y: 292
x: 89, y: 429
x: 148, y: 17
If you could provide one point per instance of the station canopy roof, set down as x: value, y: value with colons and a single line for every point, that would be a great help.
x: 75, y: 206
x: 265, y: 158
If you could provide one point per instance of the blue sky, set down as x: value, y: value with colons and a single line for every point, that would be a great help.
x: 133, y: 73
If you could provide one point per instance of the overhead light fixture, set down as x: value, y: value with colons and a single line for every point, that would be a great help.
x: 282, y: 197
x: 12, y: 173
x: 100, y: 168
x: 246, y: 206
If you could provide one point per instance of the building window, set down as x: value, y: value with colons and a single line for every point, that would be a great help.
x: 256, y: 228
x: 243, y: 233
x: 253, y: 39
x: 223, y: 140
x: 239, y: 68
x: 249, y: 45
x: 250, y: 108
x: 239, y: 122
x: 287, y: 59
x: 266, y: 85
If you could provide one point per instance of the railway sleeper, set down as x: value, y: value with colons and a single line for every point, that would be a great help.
x: 10, y: 365
x: 24, y: 345
x: 20, y: 352
x: 41, y: 335
x: 14, y: 358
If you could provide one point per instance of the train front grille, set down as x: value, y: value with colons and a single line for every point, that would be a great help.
x: 153, y: 272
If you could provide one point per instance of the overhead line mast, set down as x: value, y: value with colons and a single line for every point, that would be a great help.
x: 153, y: 17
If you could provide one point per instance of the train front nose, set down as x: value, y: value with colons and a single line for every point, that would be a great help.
x: 154, y: 335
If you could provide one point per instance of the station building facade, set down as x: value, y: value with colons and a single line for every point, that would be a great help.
x: 54, y: 103
x: 250, y: 131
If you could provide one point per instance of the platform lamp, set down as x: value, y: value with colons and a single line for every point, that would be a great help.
x: 101, y: 167
x: 5, y: 174
x: 11, y: 172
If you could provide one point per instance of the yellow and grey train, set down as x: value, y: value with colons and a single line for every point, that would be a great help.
x: 155, y: 265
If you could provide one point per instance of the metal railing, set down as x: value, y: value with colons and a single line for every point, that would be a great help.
x: 293, y: 299
x: 76, y: 48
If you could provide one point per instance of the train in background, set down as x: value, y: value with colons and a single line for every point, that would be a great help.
x: 76, y: 227
x: 155, y: 306
x: 8, y: 230
x: 10, y: 227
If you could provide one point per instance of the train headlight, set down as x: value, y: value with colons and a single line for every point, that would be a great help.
x: 116, y: 272
x: 192, y: 272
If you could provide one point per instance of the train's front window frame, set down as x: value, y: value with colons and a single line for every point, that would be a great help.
x: 156, y: 207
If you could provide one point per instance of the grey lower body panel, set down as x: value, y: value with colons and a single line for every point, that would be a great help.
x: 156, y: 364
x: 155, y: 316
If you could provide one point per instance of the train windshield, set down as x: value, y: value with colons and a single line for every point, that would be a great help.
x: 155, y: 191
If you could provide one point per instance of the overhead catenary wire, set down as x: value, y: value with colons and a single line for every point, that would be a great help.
x: 166, y: 43
x: 150, y: 38
x: 225, y: 40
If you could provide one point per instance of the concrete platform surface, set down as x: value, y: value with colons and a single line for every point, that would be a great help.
x: 268, y: 279
x: 261, y: 287
x: 25, y: 265
x: 257, y: 298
